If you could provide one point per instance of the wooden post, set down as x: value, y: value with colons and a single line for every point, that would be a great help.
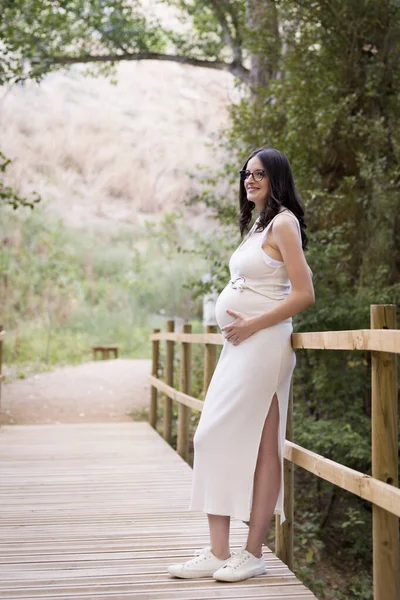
x: 169, y: 379
x: 284, y: 532
x: 184, y: 411
x: 153, y: 390
x: 1, y: 359
x: 385, y: 526
x: 210, y: 359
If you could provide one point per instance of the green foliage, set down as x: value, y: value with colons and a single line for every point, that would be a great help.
x: 62, y: 291
x: 307, y: 537
x: 332, y: 106
x: 325, y: 91
x: 361, y: 589
x: 336, y: 439
x: 36, y: 34
x: 214, y: 26
x: 333, y: 109
x: 7, y: 194
x: 331, y: 103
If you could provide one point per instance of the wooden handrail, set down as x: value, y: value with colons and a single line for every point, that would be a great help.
x: 175, y: 395
x: 381, y: 494
x: 191, y: 338
x: 383, y: 340
x: 380, y: 340
x: 377, y: 492
x: 2, y: 377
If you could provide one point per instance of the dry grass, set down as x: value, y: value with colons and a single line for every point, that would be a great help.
x: 100, y: 153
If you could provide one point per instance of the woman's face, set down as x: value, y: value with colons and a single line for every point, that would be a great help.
x: 257, y: 191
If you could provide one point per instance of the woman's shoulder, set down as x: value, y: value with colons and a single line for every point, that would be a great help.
x: 286, y: 212
x: 284, y: 215
x: 284, y: 218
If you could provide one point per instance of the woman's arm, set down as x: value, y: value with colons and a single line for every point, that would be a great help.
x: 287, y: 239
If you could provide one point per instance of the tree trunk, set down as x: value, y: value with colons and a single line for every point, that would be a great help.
x: 263, y: 21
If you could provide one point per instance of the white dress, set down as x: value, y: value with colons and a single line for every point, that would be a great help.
x: 245, y: 380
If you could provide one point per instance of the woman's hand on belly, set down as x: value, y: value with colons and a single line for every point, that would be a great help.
x: 239, y: 330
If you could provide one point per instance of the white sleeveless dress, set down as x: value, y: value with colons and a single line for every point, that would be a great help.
x: 245, y: 380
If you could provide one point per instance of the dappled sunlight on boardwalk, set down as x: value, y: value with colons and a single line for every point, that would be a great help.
x: 99, y: 511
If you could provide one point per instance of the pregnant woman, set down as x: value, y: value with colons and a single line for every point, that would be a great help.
x: 239, y: 442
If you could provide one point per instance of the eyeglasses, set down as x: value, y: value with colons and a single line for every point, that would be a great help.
x: 258, y: 174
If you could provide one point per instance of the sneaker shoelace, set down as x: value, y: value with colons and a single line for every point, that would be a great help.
x: 237, y: 559
x: 205, y: 550
x: 199, y: 556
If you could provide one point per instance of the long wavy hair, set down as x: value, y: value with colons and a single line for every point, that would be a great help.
x: 282, y: 192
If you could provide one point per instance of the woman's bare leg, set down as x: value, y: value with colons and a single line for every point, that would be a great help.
x: 219, y: 535
x: 267, y: 479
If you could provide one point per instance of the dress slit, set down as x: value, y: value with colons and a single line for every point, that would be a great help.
x: 276, y: 510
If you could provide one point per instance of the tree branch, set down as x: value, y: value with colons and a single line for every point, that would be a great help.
x: 229, y: 39
x: 235, y: 23
x: 236, y: 69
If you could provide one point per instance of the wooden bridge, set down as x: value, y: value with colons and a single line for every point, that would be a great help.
x: 99, y: 511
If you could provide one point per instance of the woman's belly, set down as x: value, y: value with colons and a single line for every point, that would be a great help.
x: 245, y: 301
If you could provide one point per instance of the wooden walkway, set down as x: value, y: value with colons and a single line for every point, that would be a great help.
x: 98, y: 511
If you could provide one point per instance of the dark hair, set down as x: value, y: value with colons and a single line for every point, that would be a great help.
x: 282, y: 192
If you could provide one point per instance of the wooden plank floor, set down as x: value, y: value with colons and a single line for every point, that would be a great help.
x: 98, y: 511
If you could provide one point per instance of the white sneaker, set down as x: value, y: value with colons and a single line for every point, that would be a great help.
x: 241, y: 565
x: 204, y: 564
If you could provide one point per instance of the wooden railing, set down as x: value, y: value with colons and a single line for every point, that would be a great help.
x: 2, y: 377
x: 381, y: 489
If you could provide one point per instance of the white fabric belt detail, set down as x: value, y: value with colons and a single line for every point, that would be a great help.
x: 240, y: 284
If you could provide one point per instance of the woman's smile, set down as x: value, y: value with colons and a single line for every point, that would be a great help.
x: 251, y: 189
x: 257, y: 191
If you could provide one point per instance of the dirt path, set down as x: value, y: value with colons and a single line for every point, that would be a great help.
x: 101, y: 391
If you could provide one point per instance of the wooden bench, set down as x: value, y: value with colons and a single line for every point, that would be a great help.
x: 106, y: 350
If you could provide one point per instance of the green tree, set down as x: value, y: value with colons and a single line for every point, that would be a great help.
x: 41, y: 36
x: 7, y: 194
x: 320, y: 80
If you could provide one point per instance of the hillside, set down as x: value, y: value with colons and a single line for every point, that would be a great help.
x: 99, y: 153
